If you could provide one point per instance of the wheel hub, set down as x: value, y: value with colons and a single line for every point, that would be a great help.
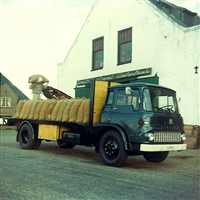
x: 25, y: 137
x: 111, y: 148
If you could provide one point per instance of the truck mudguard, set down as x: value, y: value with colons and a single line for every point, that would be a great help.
x: 115, y: 127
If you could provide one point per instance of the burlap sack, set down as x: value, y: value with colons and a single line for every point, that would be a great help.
x: 19, y: 108
x: 65, y: 117
x: 34, y: 78
x: 86, y: 111
x: 33, y: 109
x: 28, y: 109
x: 74, y: 110
x: 24, y: 109
x: 43, y: 111
x: 56, y: 110
x: 61, y: 110
x: 50, y: 109
x: 38, y: 109
x: 80, y: 114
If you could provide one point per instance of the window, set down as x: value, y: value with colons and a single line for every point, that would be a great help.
x: 5, y: 102
x: 98, y: 54
x: 146, y: 100
x: 159, y: 100
x: 121, y: 98
x: 125, y: 46
x: 128, y: 100
x: 110, y: 98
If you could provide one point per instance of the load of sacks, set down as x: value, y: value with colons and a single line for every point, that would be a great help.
x: 67, y: 110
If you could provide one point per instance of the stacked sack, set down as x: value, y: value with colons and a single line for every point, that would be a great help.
x: 67, y: 110
x: 34, y: 78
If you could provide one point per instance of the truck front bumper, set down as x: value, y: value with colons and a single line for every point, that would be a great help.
x: 163, y: 147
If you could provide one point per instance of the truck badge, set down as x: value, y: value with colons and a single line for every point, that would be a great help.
x: 170, y: 121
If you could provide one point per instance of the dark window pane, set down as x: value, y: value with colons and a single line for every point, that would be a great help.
x: 125, y: 46
x: 98, y: 53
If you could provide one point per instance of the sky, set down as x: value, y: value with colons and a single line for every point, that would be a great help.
x: 37, y: 35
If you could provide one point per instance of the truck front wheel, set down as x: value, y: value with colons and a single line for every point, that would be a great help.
x: 155, y: 157
x: 111, y: 149
x: 26, y: 137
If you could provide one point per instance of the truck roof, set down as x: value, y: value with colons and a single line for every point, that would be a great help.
x: 139, y: 84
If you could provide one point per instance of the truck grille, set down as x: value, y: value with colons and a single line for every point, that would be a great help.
x: 167, y: 137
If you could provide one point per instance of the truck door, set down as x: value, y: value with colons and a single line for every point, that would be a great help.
x: 125, y: 111
x: 108, y: 107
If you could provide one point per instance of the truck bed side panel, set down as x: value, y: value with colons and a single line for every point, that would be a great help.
x: 99, y: 99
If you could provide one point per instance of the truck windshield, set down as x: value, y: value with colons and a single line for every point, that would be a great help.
x: 159, y: 100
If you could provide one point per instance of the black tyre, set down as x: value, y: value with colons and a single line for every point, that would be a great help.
x: 155, y: 157
x: 37, y: 144
x: 26, y: 137
x: 63, y: 144
x: 111, y: 149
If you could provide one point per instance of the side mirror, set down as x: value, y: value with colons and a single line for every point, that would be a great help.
x: 128, y: 90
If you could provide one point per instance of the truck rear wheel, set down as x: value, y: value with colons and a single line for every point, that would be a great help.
x: 26, y: 137
x: 155, y: 157
x: 37, y: 144
x: 111, y: 149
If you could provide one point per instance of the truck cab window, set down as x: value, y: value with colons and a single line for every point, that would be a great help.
x: 159, y: 100
x: 121, y: 98
x: 110, y: 98
x: 128, y: 100
x: 146, y: 100
x: 163, y: 100
x: 134, y: 100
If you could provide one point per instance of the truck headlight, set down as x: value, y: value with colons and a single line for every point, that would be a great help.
x: 150, y: 137
x: 183, y: 137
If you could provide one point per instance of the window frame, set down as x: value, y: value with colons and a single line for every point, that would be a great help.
x: 110, y: 98
x: 7, y: 100
x: 153, y: 103
x: 124, y: 40
x: 125, y: 100
x: 97, y: 52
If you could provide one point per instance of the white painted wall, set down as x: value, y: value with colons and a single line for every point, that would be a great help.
x: 157, y: 41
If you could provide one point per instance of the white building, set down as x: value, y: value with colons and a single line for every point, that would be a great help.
x: 157, y: 38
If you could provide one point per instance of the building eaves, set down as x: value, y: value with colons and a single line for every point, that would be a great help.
x: 19, y: 93
x: 176, y: 13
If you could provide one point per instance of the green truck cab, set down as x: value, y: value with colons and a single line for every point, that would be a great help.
x: 147, y: 118
x: 119, y: 120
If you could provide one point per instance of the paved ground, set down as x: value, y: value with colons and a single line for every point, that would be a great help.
x: 52, y: 173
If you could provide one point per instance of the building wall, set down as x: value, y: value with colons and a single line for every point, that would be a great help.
x: 6, y: 91
x: 157, y: 41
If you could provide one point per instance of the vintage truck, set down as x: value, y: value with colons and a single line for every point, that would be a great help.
x: 119, y: 120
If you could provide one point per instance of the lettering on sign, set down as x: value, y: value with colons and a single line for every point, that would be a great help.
x: 117, y: 76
